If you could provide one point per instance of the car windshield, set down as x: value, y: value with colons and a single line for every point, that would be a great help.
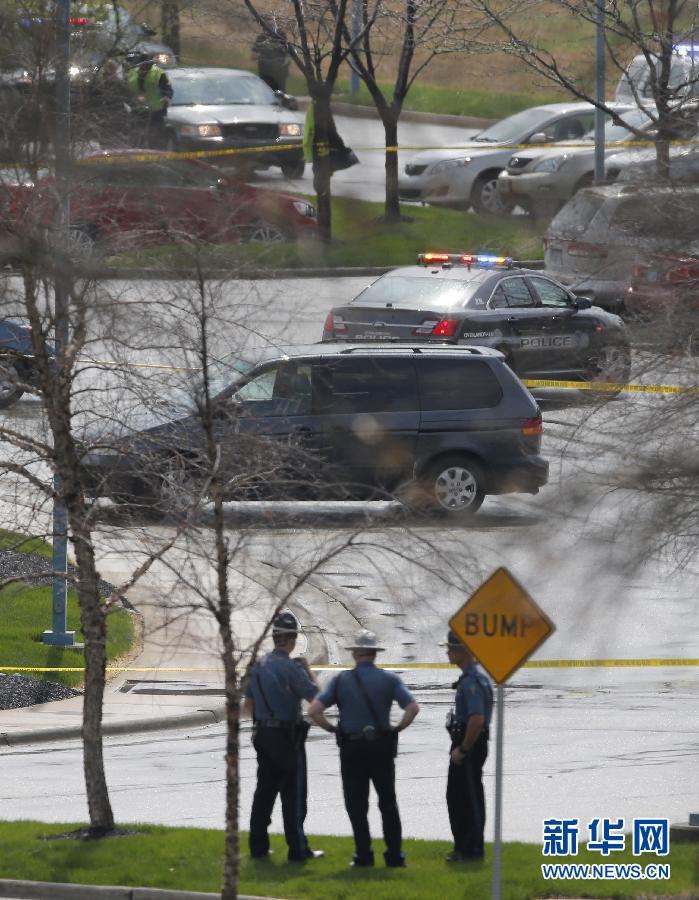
x: 228, y: 370
x: 514, y: 128
x: 417, y: 293
x: 220, y: 89
x: 636, y: 118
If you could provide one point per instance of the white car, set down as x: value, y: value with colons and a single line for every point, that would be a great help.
x: 467, y: 176
x: 635, y: 84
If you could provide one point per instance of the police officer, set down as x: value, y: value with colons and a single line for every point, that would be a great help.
x: 151, y: 87
x: 274, y: 691
x: 270, y: 51
x: 468, y: 725
x: 368, y: 744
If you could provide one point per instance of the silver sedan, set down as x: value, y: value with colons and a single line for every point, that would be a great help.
x: 463, y: 177
x: 543, y: 180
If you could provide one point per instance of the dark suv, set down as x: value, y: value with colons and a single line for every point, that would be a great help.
x: 436, y: 427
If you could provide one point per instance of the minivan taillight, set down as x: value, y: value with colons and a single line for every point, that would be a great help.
x: 437, y: 328
x: 334, y: 323
x: 533, y: 427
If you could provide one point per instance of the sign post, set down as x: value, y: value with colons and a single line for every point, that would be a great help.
x: 501, y: 625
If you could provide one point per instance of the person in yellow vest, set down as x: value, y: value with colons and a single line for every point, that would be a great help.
x: 151, y: 88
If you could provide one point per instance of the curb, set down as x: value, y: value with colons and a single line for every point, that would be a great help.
x: 262, y: 274
x: 357, y: 111
x: 161, y: 723
x: 48, y: 890
x: 239, y: 274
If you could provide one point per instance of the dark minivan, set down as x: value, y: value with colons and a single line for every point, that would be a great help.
x: 436, y: 427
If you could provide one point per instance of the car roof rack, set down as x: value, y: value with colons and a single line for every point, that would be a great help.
x: 407, y: 348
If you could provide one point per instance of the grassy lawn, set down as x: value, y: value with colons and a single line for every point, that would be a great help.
x: 25, y: 613
x: 361, y: 239
x: 191, y: 859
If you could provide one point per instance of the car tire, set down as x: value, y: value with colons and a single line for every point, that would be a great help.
x: 610, y: 365
x: 10, y: 389
x: 485, y: 197
x: 83, y: 241
x: 293, y: 169
x: 453, y: 487
x: 173, y: 491
x: 265, y: 233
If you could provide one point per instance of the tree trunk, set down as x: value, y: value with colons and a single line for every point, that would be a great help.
x: 321, y: 164
x: 170, y: 25
x: 662, y: 158
x: 94, y: 626
x: 231, y: 863
x: 390, y: 127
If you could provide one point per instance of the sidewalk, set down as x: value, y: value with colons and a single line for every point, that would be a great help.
x: 45, y: 890
x: 176, y: 680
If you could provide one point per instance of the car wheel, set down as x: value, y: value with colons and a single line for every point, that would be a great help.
x: 265, y: 233
x: 485, y: 197
x: 83, y: 241
x: 610, y: 365
x: 10, y: 389
x: 176, y: 491
x: 453, y: 486
x: 293, y: 169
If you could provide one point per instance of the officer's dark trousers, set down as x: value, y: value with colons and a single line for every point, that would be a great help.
x: 281, y: 769
x: 466, y: 801
x: 362, y: 762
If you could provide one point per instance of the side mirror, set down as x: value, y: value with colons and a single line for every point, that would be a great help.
x: 582, y: 303
x: 148, y: 30
x: 538, y: 138
x: 286, y: 100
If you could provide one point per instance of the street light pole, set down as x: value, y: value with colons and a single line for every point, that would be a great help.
x: 600, y: 115
x: 59, y: 636
x: 356, y: 27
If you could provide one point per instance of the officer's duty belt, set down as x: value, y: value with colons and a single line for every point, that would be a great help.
x: 274, y: 723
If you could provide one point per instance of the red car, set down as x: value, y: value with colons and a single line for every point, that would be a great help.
x: 664, y: 291
x: 123, y: 199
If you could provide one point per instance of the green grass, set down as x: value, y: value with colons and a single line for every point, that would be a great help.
x: 460, y: 102
x: 25, y: 613
x: 361, y: 239
x: 24, y: 543
x: 191, y: 859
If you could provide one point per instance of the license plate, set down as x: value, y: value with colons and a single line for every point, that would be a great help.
x: 651, y: 275
x: 556, y: 256
x: 374, y: 336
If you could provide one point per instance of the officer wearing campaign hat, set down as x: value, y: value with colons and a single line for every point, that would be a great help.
x: 368, y: 744
x: 468, y: 726
x: 273, y: 694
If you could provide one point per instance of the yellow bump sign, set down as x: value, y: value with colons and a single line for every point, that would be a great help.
x: 501, y: 625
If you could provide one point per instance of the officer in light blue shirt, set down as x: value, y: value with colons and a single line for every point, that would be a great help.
x: 368, y: 744
x: 273, y: 695
x: 468, y: 726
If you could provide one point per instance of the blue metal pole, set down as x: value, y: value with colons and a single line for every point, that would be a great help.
x: 600, y: 116
x: 58, y: 636
x: 356, y: 28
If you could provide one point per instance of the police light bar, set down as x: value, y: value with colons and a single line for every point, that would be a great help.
x: 481, y: 260
x: 686, y: 49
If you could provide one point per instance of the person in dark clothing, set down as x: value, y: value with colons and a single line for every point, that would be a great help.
x: 368, y: 744
x: 273, y: 695
x: 272, y: 59
x: 468, y: 727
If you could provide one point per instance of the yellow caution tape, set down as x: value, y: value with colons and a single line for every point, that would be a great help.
x: 610, y: 386
x: 531, y: 664
x: 271, y: 148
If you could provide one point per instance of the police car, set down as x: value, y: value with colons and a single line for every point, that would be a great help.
x: 543, y: 329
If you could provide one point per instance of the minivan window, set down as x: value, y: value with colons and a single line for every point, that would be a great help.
x: 366, y: 385
x: 577, y: 214
x: 670, y: 217
x: 418, y: 293
x: 281, y: 390
x: 457, y: 384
